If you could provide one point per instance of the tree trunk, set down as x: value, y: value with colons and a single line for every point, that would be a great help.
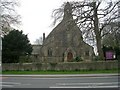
x: 97, y: 33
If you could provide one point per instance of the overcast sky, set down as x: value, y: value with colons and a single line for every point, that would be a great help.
x: 36, y: 16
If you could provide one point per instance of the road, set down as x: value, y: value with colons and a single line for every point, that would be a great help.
x: 88, y: 81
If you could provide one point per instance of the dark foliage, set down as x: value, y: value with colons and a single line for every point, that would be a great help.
x: 15, y: 44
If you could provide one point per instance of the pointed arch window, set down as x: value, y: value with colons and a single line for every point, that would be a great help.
x: 50, y: 52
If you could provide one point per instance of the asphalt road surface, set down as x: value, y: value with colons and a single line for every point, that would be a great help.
x: 110, y: 81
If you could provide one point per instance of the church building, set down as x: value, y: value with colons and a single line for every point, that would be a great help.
x: 65, y: 41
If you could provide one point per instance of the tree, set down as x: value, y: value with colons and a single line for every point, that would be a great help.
x: 8, y: 15
x: 92, y: 18
x: 15, y: 44
x: 111, y: 40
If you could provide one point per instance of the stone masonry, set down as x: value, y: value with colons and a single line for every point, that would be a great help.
x: 65, y: 42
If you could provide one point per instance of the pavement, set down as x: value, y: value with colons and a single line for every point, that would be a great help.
x: 60, y: 75
x: 61, y: 81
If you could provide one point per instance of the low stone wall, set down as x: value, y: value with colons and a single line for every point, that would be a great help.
x: 101, y: 65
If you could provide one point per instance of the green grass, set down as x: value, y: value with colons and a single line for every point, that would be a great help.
x: 62, y: 72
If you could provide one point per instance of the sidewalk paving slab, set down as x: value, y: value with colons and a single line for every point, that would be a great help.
x: 60, y: 75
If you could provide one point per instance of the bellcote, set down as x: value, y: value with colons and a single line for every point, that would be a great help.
x: 68, y: 11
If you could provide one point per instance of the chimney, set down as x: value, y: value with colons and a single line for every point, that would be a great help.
x: 43, y: 37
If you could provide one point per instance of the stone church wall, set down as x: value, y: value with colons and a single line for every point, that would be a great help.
x: 65, y: 42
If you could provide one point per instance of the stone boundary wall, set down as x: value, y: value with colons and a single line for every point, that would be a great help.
x: 101, y: 65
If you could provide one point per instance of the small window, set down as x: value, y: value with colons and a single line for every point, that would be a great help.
x: 87, y: 53
x: 50, y: 52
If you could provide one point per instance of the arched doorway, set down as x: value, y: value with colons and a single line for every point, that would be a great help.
x: 69, y: 56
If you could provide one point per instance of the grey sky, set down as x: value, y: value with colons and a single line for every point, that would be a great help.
x: 36, y: 16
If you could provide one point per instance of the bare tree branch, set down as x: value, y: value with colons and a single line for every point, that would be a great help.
x: 92, y: 19
x: 8, y: 13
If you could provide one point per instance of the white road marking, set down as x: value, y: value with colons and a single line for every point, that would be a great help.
x: 6, y: 85
x: 84, y: 87
x: 86, y: 83
x: 10, y: 83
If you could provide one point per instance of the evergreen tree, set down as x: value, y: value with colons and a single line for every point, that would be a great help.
x: 15, y: 44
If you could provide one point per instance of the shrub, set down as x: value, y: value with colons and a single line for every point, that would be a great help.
x: 97, y: 58
x: 78, y: 59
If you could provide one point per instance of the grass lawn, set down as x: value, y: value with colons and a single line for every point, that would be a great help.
x: 62, y: 72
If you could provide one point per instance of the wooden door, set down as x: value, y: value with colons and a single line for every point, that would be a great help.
x: 69, y: 56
